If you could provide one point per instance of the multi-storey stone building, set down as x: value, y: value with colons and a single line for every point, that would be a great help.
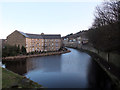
x: 35, y: 42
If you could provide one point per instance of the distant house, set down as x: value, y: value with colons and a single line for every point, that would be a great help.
x: 35, y: 42
x: 78, y: 38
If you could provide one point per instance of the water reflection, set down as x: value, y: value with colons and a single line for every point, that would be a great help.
x: 19, y: 66
x: 97, y: 78
x: 47, y: 64
x: 70, y: 70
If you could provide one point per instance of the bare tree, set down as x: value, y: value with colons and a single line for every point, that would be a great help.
x: 107, y: 13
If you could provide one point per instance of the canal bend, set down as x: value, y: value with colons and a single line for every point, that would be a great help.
x: 70, y: 70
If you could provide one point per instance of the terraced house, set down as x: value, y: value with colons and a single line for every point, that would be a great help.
x: 35, y: 42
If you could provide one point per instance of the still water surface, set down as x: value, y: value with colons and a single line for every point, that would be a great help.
x: 71, y: 70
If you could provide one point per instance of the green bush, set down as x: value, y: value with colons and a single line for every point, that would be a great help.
x: 23, y: 50
x: 13, y: 50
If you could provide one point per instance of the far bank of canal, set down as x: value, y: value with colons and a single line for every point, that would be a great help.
x: 70, y: 70
x: 35, y: 55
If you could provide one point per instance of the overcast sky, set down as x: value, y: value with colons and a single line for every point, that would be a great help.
x: 46, y: 17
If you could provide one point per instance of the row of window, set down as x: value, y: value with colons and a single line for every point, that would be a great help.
x: 35, y: 40
x: 39, y: 49
x: 51, y: 40
x: 38, y: 44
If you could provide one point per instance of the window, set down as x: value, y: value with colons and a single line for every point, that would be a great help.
x: 79, y: 42
x: 45, y: 44
x: 56, y: 40
x: 45, y: 40
x: 56, y: 44
x: 56, y: 48
x: 32, y: 45
x: 33, y: 41
x: 52, y: 44
x: 39, y: 44
x: 33, y: 49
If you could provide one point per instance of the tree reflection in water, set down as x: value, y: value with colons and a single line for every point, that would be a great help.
x: 98, y: 78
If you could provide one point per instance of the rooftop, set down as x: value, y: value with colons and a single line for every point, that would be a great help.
x: 41, y: 36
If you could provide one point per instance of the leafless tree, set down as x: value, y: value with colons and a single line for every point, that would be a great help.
x: 107, y: 13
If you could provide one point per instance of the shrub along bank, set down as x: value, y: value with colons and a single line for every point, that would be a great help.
x: 8, y: 50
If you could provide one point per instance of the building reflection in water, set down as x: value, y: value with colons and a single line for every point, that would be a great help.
x: 17, y: 66
x: 23, y: 66
x: 47, y: 63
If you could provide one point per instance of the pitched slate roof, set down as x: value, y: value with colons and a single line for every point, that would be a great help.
x: 58, y: 36
x: 39, y: 36
x: 34, y: 36
x: 23, y: 33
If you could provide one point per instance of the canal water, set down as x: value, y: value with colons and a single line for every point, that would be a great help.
x: 70, y: 70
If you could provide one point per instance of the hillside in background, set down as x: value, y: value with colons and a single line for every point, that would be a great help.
x: 106, y: 38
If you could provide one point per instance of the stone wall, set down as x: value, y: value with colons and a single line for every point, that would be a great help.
x: 16, y: 38
x: 110, y: 57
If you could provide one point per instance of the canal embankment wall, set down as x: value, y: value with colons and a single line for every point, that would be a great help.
x: 110, y: 57
x: 35, y: 55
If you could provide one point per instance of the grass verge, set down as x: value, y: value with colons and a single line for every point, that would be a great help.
x: 13, y: 80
